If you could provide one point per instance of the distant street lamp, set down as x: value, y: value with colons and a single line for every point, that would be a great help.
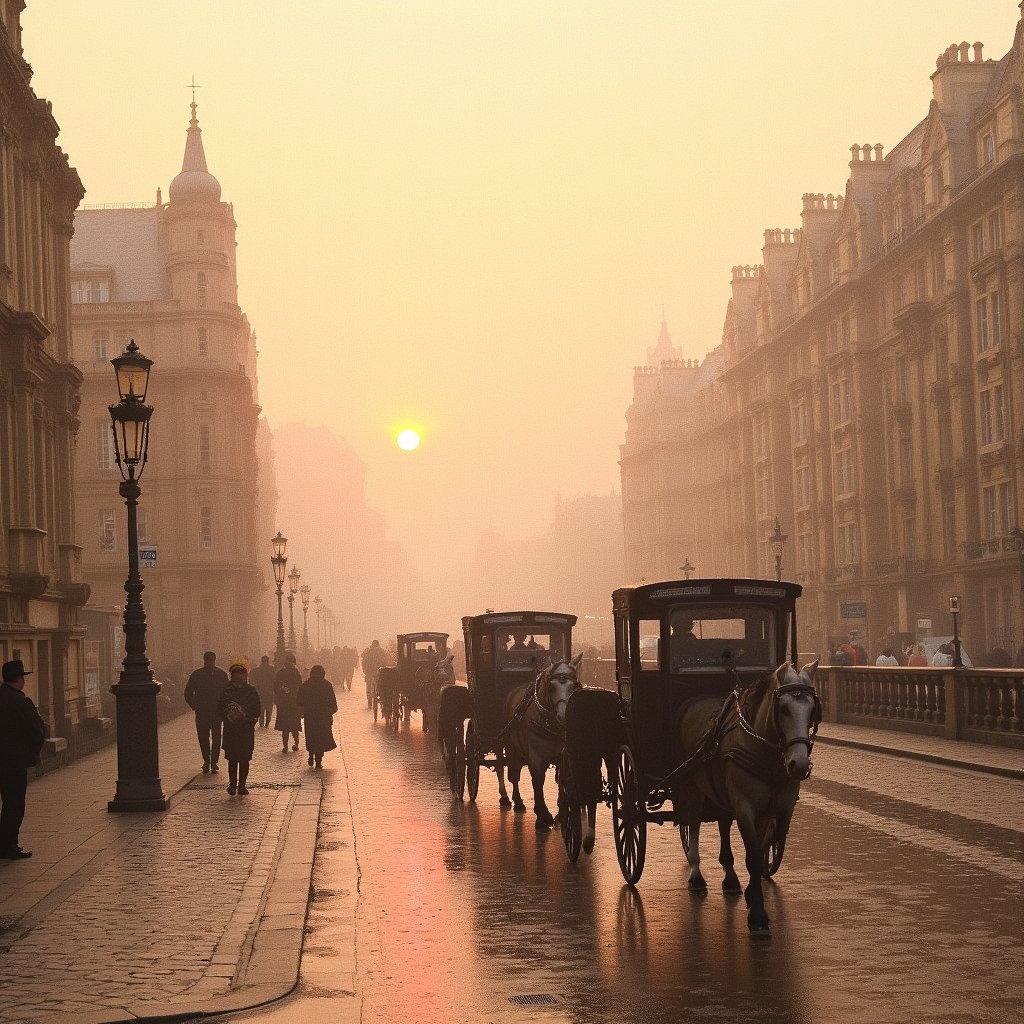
x: 293, y: 588
x: 138, y: 746
x: 778, y: 545
x: 954, y: 610
x: 304, y: 594
x: 318, y: 605
x: 687, y: 569
x: 280, y: 563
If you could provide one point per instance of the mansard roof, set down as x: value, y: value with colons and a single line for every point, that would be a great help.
x: 127, y: 243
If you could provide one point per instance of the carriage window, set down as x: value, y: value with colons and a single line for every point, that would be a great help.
x: 702, y: 638
x: 650, y: 645
x: 522, y: 648
x: 426, y: 649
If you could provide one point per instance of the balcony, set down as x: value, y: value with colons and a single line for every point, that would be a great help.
x: 990, y: 547
x: 913, y: 314
x: 842, y: 572
x: 27, y: 561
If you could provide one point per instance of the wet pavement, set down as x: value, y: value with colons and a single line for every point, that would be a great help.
x: 899, y: 900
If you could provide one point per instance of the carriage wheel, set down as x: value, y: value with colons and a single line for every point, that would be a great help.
x: 773, y: 846
x: 472, y: 761
x: 629, y: 817
x: 457, y: 763
x: 569, y: 811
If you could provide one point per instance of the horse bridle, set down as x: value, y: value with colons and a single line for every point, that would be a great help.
x: 805, y: 689
x: 552, y: 713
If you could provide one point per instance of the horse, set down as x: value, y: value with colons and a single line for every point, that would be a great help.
x: 535, y: 734
x: 752, y: 776
x: 432, y: 678
x: 388, y: 692
x: 594, y: 731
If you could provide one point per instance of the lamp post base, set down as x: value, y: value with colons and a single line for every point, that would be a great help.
x: 143, y: 797
x: 138, y: 761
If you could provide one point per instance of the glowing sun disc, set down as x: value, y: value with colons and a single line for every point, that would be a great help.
x: 408, y: 440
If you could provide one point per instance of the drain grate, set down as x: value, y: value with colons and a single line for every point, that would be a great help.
x: 535, y: 999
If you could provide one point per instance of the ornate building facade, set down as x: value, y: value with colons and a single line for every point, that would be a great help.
x: 868, y: 390
x: 41, y: 588
x: 165, y: 275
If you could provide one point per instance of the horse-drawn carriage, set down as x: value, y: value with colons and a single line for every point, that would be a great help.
x: 505, y: 654
x: 414, y: 684
x: 710, y: 718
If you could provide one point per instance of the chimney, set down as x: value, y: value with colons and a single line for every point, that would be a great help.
x: 961, y: 76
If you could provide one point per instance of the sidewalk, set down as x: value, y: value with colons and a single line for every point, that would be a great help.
x: 979, y: 757
x: 197, y: 910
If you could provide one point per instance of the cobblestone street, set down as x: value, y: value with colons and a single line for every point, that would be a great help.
x: 122, y: 915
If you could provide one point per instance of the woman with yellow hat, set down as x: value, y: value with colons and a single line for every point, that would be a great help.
x: 239, y: 709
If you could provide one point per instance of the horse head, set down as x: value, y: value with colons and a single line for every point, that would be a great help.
x: 558, y: 683
x: 444, y: 674
x: 796, y: 713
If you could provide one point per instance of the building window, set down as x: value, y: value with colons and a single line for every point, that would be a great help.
x: 845, y: 472
x: 143, y: 526
x: 804, y: 487
x: 910, y: 540
x: 108, y: 530
x: 992, y: 415
x: 800, y: 423
x: 201, y: 289
x: 99, y: 346
x: 998, y: 509
x: 995, y: 229
x: 842, y: 402
x: 978, y: 240
x: 205, y: 528
x: 203, y: 342
x: 89, y: 291
x: 803, y: 552
x: 988, y: 148
x: 989, y: 310
x: 205, y: 447
x: 1006, y: 509
x: 763, y: 495
x: 104, y: 446
x: 847, y: 545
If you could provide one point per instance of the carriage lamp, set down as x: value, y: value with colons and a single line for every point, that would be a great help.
x: 954, y: 610
x: 138, y: 756
x: 280, y: 563
x: 686, y: 569
x: 778, y: 545
x: 293, y: 588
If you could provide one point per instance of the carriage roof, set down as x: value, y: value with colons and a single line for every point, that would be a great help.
x: 526, y: 619
x: 642, y: 600
x: 417, y: 637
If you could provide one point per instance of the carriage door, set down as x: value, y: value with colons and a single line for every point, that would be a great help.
x: 623, y: 680
x: 650, y: 701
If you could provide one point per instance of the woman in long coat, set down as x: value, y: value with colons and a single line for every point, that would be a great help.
x: 289, y: 717
x: 318, y: 704
x: 239, y: 710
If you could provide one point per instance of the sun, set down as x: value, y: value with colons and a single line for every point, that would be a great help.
x: 408, y: 440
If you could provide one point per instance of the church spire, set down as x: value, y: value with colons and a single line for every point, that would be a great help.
x: 194, y: 181
x: 664, y: 349
x: 195, y: 157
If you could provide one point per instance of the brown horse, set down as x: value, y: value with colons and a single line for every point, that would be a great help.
x: 535, y: 734
x: 753, y: 777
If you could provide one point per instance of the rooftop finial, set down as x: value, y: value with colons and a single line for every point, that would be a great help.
x: 193, y: 87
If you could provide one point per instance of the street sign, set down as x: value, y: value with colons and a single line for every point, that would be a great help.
x: 923, y: 624
x: 147, y: 556
x: 853, y: 609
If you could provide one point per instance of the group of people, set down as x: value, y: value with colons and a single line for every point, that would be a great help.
x: 228, y: 706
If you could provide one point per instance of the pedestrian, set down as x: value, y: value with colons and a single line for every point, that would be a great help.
x: 262, y: 677
x: 887, y: 658
x: 318, y: 704
x: 860, y: 656
x: 286, y: 688
x: 842, y: 657
x: 202, y: 694
x: 917, y: 657
x: 22, y: 732
x: 239, y: 710
x: 943, y: 657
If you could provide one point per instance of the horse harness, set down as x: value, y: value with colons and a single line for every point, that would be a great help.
x: 544, y: 722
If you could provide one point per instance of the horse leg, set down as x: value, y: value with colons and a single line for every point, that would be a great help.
x: 691, y: 824
x: 731, y: 883
x: 500, y: 772
x: 518, y: 805
x: 540, y: 807
x: 588, y: 829
x: 757, y: 919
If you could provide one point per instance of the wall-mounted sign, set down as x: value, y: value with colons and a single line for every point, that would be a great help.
x: 924, y: 624
x: 853, y: 609
x: 147, y: 556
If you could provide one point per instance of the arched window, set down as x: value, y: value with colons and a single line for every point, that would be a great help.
x: 201, y: 289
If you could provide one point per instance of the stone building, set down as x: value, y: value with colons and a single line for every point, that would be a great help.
x: 165, y: 275
x: 868, y: 390
x: 41, y: 587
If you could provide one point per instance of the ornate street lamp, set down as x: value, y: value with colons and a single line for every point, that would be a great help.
x: 280, y: 563
x: 138, y: 746
x: 954, y: 610
x: 318, y: 608
x: 293, y: 588
x: 778, y: 545
x: 304, y: 594
x: 686, y: 569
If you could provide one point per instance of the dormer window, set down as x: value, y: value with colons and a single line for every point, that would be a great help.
x: 84, y: 290
x: 988, y: 148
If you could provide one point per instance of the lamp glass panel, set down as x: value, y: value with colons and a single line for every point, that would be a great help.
x: 279, y: 544
x: 279, y: 564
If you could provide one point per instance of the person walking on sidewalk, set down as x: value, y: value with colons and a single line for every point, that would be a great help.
x: 202, y: 695
x: 239, y: 710
x: 22, y: 732
x: 262, y: 677
x: 318, y: 703
x: 286, y: 688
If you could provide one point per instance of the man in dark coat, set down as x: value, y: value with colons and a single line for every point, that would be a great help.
x: 239, y: 710
x: 262, y: 677
x: 22, y: 732
x: 202, y: 694
x: 319, y: 705
x: 286, y: 688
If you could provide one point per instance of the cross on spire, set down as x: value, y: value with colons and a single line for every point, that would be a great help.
x: 193, y: 87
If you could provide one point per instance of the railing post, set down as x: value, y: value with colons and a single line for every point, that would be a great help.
x: 832, y: 698
x: 951, y: 685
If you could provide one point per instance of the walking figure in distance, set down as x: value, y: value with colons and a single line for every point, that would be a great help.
x: 262, y: 677
x: 202, y: 695
x: 22, y: 732
x: 318, y: 703
x: 239, y: 710
x: 286, y: 687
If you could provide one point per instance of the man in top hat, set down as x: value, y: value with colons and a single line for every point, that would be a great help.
x: 22, y: 732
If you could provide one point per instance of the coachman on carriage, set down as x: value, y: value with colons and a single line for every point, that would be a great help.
x: 520, y: 673
x: 711, y: 718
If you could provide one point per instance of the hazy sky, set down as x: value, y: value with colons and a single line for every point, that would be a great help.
x: 468, y: 215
